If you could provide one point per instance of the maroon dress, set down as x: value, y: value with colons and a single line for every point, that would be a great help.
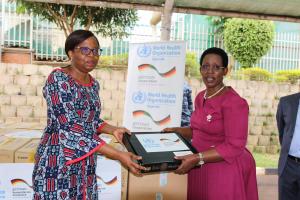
x: 222, y: 122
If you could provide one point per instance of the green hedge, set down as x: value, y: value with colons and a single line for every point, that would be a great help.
x: 291, y: 76
x: 255, y: 74
x: 192, y: 67
x: 120, y: 59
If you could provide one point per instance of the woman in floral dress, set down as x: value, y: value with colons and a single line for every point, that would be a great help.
x: 65, y: 160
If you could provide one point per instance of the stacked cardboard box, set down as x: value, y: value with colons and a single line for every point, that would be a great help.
x: 26, y: 153
x: 158, y: 186
x: 124, y: 171
x: 9, y: 146
x: 13, y: 140
x: 149, y: 187
x: 24, y: 126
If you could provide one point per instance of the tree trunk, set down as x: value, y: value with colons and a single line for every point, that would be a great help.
x: 166, y: 20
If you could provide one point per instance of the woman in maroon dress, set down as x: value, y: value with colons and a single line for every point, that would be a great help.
x: 223, y: 168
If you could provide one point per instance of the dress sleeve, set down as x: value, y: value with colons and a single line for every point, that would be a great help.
x: 77, y: 136
x: 235, y: 115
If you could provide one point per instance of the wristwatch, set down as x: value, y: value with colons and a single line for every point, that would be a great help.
x: 201, y: 161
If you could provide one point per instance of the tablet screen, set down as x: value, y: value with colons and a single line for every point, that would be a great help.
x: 161, y: 142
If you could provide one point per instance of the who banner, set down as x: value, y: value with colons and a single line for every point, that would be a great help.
x: 154, y: 85
x: 16, y: 180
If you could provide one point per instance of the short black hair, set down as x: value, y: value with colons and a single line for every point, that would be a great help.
x: 76, y: 37
x: 215, y: 50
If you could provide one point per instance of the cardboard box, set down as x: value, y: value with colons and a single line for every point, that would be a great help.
x: 22, y: 133
x: 161, y: 186
x: 15, y: 139
x: 2, y: 139
x: 4, y: 125
x: 124, y: 183
x: 8, y: 148
x: 2, y: 131
x: 25, y: 125
x: 124, y: 171
x: 26, y: 153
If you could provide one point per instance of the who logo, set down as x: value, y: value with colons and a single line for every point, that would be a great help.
x: 139, y: 97
x: 144, y: 50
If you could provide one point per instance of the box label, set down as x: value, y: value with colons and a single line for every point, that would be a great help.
x: 163, y: 179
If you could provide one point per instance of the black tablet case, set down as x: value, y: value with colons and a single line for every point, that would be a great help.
x: 154, y: 161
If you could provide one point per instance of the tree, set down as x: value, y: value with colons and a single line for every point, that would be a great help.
x: 110, y: 22
x: 218, y: 23
x: 248, y: 40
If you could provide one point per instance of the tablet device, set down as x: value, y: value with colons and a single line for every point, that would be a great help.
x: 158, y: 149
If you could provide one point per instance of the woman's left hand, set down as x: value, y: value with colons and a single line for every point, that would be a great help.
x: 129, y: 160
x: 119, y: 132
x: 187, y: 163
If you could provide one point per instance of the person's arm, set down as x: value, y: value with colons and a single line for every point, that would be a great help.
x: 235, y: 138
x: 190, y: 161
x: 280, y: 121
x: 185, y: 132
x: 236, y: 133
x: 114, y: 130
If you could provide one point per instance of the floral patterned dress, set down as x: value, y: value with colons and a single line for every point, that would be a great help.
x: 65, y: 161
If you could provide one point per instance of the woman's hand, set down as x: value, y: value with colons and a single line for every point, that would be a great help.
x: 187, y: 163
x: 119, y: 132
x: 183, y: 131
x: 129, y: 160
x: 170, y: 129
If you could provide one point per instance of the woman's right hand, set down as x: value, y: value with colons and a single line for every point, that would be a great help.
x: 187, y: 163
x: 129, y: 160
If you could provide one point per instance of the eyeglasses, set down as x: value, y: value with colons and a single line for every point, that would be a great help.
x: 86, y: 51
x: 214, y: 68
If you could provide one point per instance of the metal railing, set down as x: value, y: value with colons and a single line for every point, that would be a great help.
x: 284, y: 54
x: 16, y: 29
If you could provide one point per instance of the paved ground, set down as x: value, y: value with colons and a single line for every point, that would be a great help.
x: 267, y: 187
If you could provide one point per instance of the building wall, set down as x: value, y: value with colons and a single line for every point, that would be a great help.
x: 21, y: 100
x: 16, y: 55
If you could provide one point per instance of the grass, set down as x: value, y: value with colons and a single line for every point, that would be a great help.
x: 266, y: 160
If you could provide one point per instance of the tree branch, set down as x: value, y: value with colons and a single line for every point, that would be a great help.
x: 65, y: 17
x: 55, y: 15
x: 57, y: 18
x: 89, y: 22
x: 73, y: 17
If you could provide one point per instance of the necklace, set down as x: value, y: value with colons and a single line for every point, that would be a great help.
x: 214, y: 94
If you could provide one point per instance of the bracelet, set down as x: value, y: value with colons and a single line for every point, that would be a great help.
x: 201, y: 161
